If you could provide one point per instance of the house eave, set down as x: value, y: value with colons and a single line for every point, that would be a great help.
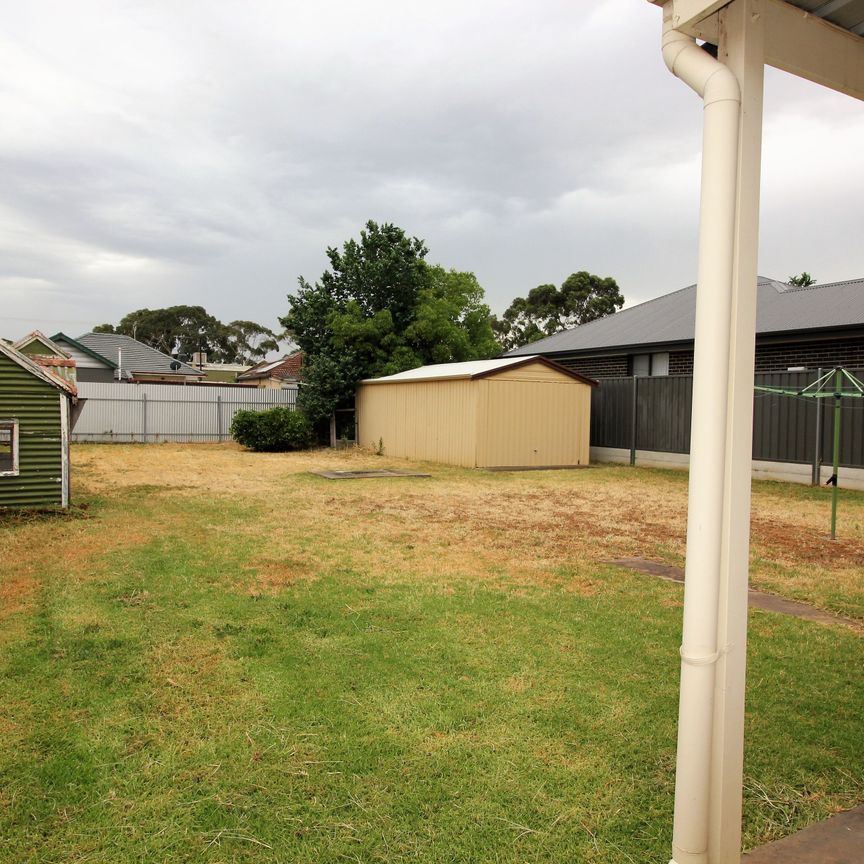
x: 762, y: 338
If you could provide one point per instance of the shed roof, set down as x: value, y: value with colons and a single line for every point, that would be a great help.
x: 671, y: 318
x: 35, y: 369
x: 137, y: 357
x: 39, y: 336
x: 470, y: 369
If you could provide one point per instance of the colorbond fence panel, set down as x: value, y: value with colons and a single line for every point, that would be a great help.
x: 612, y: 413
x: 152, y: 413
x: 663, y: 408
x: 785, y: 428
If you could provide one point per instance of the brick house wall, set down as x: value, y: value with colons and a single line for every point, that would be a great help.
x: 778, y: 358
x: 769, y: 358
x: 680, y: 362
x: 597, y: 367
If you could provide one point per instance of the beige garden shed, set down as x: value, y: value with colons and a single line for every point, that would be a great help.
x: 513, y: 412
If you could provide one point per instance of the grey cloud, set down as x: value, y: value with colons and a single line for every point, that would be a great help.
x: 209, y: 152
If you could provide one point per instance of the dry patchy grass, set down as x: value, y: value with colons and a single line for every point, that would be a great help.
x: 537, y: 526
x: 70, y: 543
x: 222, y: 648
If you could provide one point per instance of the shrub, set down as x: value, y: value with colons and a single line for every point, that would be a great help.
x: 271, y: 431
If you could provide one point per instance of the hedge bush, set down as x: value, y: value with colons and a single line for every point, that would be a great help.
x: 271, y: 431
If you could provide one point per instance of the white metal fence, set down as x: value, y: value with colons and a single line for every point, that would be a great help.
x: 152, y: 413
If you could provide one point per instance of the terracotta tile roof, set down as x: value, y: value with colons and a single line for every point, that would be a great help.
x: 287, y: 369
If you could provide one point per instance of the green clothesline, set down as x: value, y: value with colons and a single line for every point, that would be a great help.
x: 821, y: 389
x: 818, y: 388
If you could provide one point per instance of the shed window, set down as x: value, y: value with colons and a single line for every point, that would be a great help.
x: 8, y: 448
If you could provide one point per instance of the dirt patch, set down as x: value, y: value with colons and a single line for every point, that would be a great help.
x: 74, y: 550
x: 16, y: 593
x: 794, y: 543
x: 192, y: 678
x: 269, y: 577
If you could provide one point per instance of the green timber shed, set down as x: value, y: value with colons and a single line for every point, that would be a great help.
x: 35, y: 418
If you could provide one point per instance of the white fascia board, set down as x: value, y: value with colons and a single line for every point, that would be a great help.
x: 688, y: 14
x: 796, y: 41
x: 809, y: 47
x: 696, y: 18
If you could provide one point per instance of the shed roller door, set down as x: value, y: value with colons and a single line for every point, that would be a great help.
x: 535, y: 425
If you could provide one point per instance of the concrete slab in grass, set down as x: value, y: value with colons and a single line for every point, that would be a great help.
x: 756, y: 599
x: 365, y: 475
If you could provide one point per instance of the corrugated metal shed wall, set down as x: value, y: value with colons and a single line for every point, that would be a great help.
x: 36, y: 406
x: 167, y: 412
x: 435, y: 421
x: 533, y: 423
x: 532, y: 416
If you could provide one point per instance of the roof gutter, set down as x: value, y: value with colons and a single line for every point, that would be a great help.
x: 721, y: 95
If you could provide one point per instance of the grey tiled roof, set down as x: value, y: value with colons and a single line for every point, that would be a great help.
x: 781, y: 309
x: 137, y: 357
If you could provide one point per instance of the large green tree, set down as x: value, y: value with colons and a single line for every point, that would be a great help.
x: 451, y: 322
x: 380, y: 309
x: 183, y: 330
x: 248, y: 342
x: 582, y: 297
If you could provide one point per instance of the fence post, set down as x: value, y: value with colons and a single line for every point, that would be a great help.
x: 835, y: 480
x: 816, y: 476
x: 633, y: 421
x: 219, y: 418
x: 144, y: 417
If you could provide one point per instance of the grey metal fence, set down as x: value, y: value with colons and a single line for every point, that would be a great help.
x: 151, y: 413
x: 654, y: 414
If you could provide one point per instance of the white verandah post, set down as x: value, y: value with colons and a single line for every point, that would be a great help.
x: 742, y: 50
x: 711, y: 715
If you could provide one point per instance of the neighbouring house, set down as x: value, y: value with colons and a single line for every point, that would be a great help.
x: 48, y: 354
x: 275, y: 374
x: 817, y: 326
x: 218, y: 373
x: 109, y: 357
x: 517, y: 412
x: 36, y: 408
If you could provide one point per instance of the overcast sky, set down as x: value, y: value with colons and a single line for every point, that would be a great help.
x: 207, y: 153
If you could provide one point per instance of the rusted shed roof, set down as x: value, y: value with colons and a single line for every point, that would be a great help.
x: 39, y: 371
x: 39, y: 336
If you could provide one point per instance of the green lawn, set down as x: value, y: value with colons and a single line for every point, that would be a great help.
x: 223, y: 658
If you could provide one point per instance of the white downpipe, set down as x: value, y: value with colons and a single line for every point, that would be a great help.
x: 719, y: 89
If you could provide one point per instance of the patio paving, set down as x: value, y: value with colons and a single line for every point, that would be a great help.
x: 838, y: 840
